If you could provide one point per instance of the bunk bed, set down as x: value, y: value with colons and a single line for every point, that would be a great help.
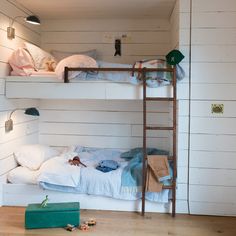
x: 49, y: 87
x: 157, y: 96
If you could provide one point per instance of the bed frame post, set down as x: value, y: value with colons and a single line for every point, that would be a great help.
x: 66, y: 72
x: 144, y: 141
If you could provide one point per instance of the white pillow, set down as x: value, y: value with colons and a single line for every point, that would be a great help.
x: 59, y: 55
x: 74, y: 61
x: 42, y: 59
x: 23, y: 175
x: 32, y: 156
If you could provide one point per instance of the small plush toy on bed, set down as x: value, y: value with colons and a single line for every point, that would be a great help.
x: 76, y: 161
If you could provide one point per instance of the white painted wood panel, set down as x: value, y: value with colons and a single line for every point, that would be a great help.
x: 213, y: 5
x: 27, y: 88
x: 7, y: 148
x: 104, y: 25
x: 211, y: 142
x: 95, y: 37
x: 103, y: 105
x: 206, y: 125
x: 4, y: 69
x: 215, y: 177
x: 202, y: 108
x: 184, y: 20
x: 103, y: 141
x: 214, y: 36
x: 184, y: 6
x: 7, y: 105
x: 216, y: 194
x: 182, y: 157
x: 183, y: 107
x: 2, y: 86
x: 112, y: 117
x: 213, y: 159
x: 19, y: 130
x: 183, y: 124
x: 214, y: 53
x: 208, y: 72
x: 103, y: 49
x: 5, y: 53
x: 214, y: 19
x: 182, y: 141
x: 205, y: 208
x: 18, y: 117
x: 7, y: 164
x: 214, y: 91
x: 89, y: 129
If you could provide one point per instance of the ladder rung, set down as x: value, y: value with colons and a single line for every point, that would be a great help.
x: 159, y: 99
x: 167, y: 187
x: 159, y: 128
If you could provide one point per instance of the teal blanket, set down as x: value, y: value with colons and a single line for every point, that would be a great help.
x: 132, y: 173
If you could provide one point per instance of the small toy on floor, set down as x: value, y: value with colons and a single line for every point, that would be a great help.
x: 84, y: 227
x: 70, y: 227
x: 91, y: 222
x: 44, y: 202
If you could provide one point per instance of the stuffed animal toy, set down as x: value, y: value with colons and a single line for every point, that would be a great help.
x: 49, y: 64
x: 76, y: 161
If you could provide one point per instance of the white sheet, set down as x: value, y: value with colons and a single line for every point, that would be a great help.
x: 92, y: 181
x: 58, y: 171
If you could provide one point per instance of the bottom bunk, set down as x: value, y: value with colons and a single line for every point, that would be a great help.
x: 107, y: 179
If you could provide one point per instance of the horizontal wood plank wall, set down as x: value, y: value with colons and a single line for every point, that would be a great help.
x: 100, y: 123
x: 25, y: 127
x: 141, y: 39
x: 213, y: 136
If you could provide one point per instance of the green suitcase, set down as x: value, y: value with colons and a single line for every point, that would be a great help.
x: 52, y: 216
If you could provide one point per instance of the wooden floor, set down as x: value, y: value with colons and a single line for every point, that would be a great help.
x: 125, y: 223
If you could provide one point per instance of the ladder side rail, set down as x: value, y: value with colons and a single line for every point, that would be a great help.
x: 174, y: 81
x: 144, y: 169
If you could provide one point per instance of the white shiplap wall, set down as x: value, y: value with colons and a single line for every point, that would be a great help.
x: 213, y: 136
x: 25, y: 128
x: 145, y: 38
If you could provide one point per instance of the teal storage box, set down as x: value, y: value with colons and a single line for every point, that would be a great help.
x: 52, y: 216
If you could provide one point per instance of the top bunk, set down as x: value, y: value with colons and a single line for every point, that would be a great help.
x: 83, y: 77
x: 50, y: 87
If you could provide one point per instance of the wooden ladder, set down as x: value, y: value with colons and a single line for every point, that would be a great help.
x: 171, y: 128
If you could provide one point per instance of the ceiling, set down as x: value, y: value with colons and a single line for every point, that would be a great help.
x: 73, y: 9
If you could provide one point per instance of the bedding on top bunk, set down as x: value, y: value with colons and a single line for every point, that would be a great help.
x: 31, y: 60
x: 57, y: 174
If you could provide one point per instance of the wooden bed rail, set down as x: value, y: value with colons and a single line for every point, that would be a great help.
x: 113, y: 69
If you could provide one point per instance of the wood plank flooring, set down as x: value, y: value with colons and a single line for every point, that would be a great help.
x: 125, y: 223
